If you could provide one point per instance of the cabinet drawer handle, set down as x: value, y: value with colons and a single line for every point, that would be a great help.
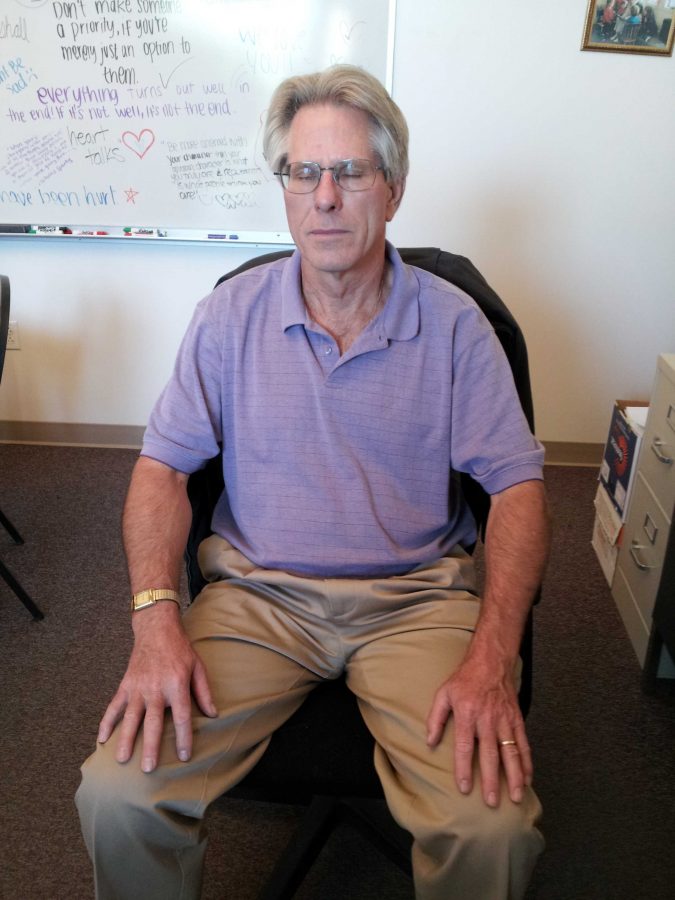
x: 656, y: 445
x: 635, y: 556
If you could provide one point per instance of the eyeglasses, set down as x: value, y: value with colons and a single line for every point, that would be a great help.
x: 349, y: 174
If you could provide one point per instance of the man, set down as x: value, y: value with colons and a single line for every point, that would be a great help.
x: 343, y: 387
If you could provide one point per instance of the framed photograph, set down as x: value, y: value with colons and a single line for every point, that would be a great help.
x: 624, y: 27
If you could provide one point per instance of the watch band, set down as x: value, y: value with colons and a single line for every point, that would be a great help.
x: 149, y: 597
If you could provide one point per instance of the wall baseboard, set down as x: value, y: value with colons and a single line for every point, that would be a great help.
x: 130, y: 437
x: 72, y: 434
x: 569, y: 453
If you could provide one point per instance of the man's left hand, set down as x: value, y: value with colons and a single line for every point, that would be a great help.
x: 487, y: 718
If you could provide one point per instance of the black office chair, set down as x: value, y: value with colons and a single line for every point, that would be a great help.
x: 322, y: 757
x: 4, y: 521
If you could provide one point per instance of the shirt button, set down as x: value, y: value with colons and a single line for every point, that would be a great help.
x: 328, y: 350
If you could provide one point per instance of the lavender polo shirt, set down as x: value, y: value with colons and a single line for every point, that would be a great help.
x: 341, y: 465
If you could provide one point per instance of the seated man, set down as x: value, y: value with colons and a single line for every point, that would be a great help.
x: 342, y: 388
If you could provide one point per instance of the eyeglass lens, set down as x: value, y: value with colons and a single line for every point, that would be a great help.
x: 349, y: 174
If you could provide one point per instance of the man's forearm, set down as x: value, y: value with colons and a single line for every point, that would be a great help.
x: 516, y: 552
x: 156, y: 524
x: 480, y: 694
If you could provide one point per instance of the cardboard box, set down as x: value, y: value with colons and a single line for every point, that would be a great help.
x: 607, y: 515
x: 618, y: 467
x: 617, y: 473
x: 607, y: 530
x: 606, y: 551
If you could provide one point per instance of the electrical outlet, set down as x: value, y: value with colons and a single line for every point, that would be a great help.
x: 13, y: 342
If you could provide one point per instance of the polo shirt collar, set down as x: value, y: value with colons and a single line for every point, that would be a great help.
x: 401, y: 315
x: 293, y: 309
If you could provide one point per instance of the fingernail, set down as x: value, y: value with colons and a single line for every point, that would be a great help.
x: 183, y: 755
x: 492, y: 799
x: 517, y: 795
x: 148, y: 764
x: 465, y: 786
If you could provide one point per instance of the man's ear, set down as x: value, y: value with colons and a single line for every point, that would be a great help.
x: 397, y: 190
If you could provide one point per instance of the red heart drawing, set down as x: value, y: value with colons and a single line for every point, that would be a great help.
x: 139, y: 143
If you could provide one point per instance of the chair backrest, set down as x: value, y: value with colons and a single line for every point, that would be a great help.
x: 205, y: 486
x: 463, y: 274
x: 4, y: 319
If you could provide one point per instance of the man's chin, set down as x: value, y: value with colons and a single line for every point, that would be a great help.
x: 327, y: 256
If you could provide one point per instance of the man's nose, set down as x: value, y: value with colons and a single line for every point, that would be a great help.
x: 327, y: 194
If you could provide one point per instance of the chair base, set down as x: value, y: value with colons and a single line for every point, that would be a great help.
x: 7, y: 576
x: 319, y: 821
x: 11, y: 530
x: 32, y: 608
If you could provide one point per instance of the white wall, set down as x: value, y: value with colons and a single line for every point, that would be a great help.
x: 549, y: 167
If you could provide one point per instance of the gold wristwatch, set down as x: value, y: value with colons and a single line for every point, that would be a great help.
x: 148, y: 598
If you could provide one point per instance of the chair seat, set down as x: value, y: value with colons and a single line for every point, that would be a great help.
x: 303, y: 758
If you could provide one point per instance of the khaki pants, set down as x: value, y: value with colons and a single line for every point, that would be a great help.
x: 266, y: 638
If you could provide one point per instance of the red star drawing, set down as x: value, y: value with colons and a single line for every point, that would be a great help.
x: 131, y: 195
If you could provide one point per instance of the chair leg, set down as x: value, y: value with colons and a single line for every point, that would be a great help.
x: 316, y: 826
x: 20, y: 593
x: 13, y: 533
x: 374, y: 821
x: 302, y: 850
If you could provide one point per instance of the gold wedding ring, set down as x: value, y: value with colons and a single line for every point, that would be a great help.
x: 507, y: 743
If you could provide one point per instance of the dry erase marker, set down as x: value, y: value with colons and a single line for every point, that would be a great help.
x: 140, y: 232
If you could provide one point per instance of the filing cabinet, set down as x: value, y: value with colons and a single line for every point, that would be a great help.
x: 644, y: 580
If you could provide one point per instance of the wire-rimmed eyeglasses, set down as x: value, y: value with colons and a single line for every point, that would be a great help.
x: 349, y: 174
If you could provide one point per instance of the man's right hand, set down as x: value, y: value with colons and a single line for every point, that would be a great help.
x: 163, y: 671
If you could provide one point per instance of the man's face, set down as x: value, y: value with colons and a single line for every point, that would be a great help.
x: 337, y: 230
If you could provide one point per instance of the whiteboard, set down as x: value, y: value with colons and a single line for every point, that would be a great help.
x: 148, y: 114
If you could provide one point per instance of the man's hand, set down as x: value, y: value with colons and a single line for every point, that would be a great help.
x: 485, y: 710
x: 162, y: 670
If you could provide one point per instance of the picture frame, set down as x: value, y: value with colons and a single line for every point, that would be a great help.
x: 621, y: 26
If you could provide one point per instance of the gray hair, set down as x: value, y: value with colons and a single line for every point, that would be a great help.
x: 342, y: 85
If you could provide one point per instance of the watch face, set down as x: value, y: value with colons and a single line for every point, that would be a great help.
x: 143, y: 599
x: 150, y: 597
